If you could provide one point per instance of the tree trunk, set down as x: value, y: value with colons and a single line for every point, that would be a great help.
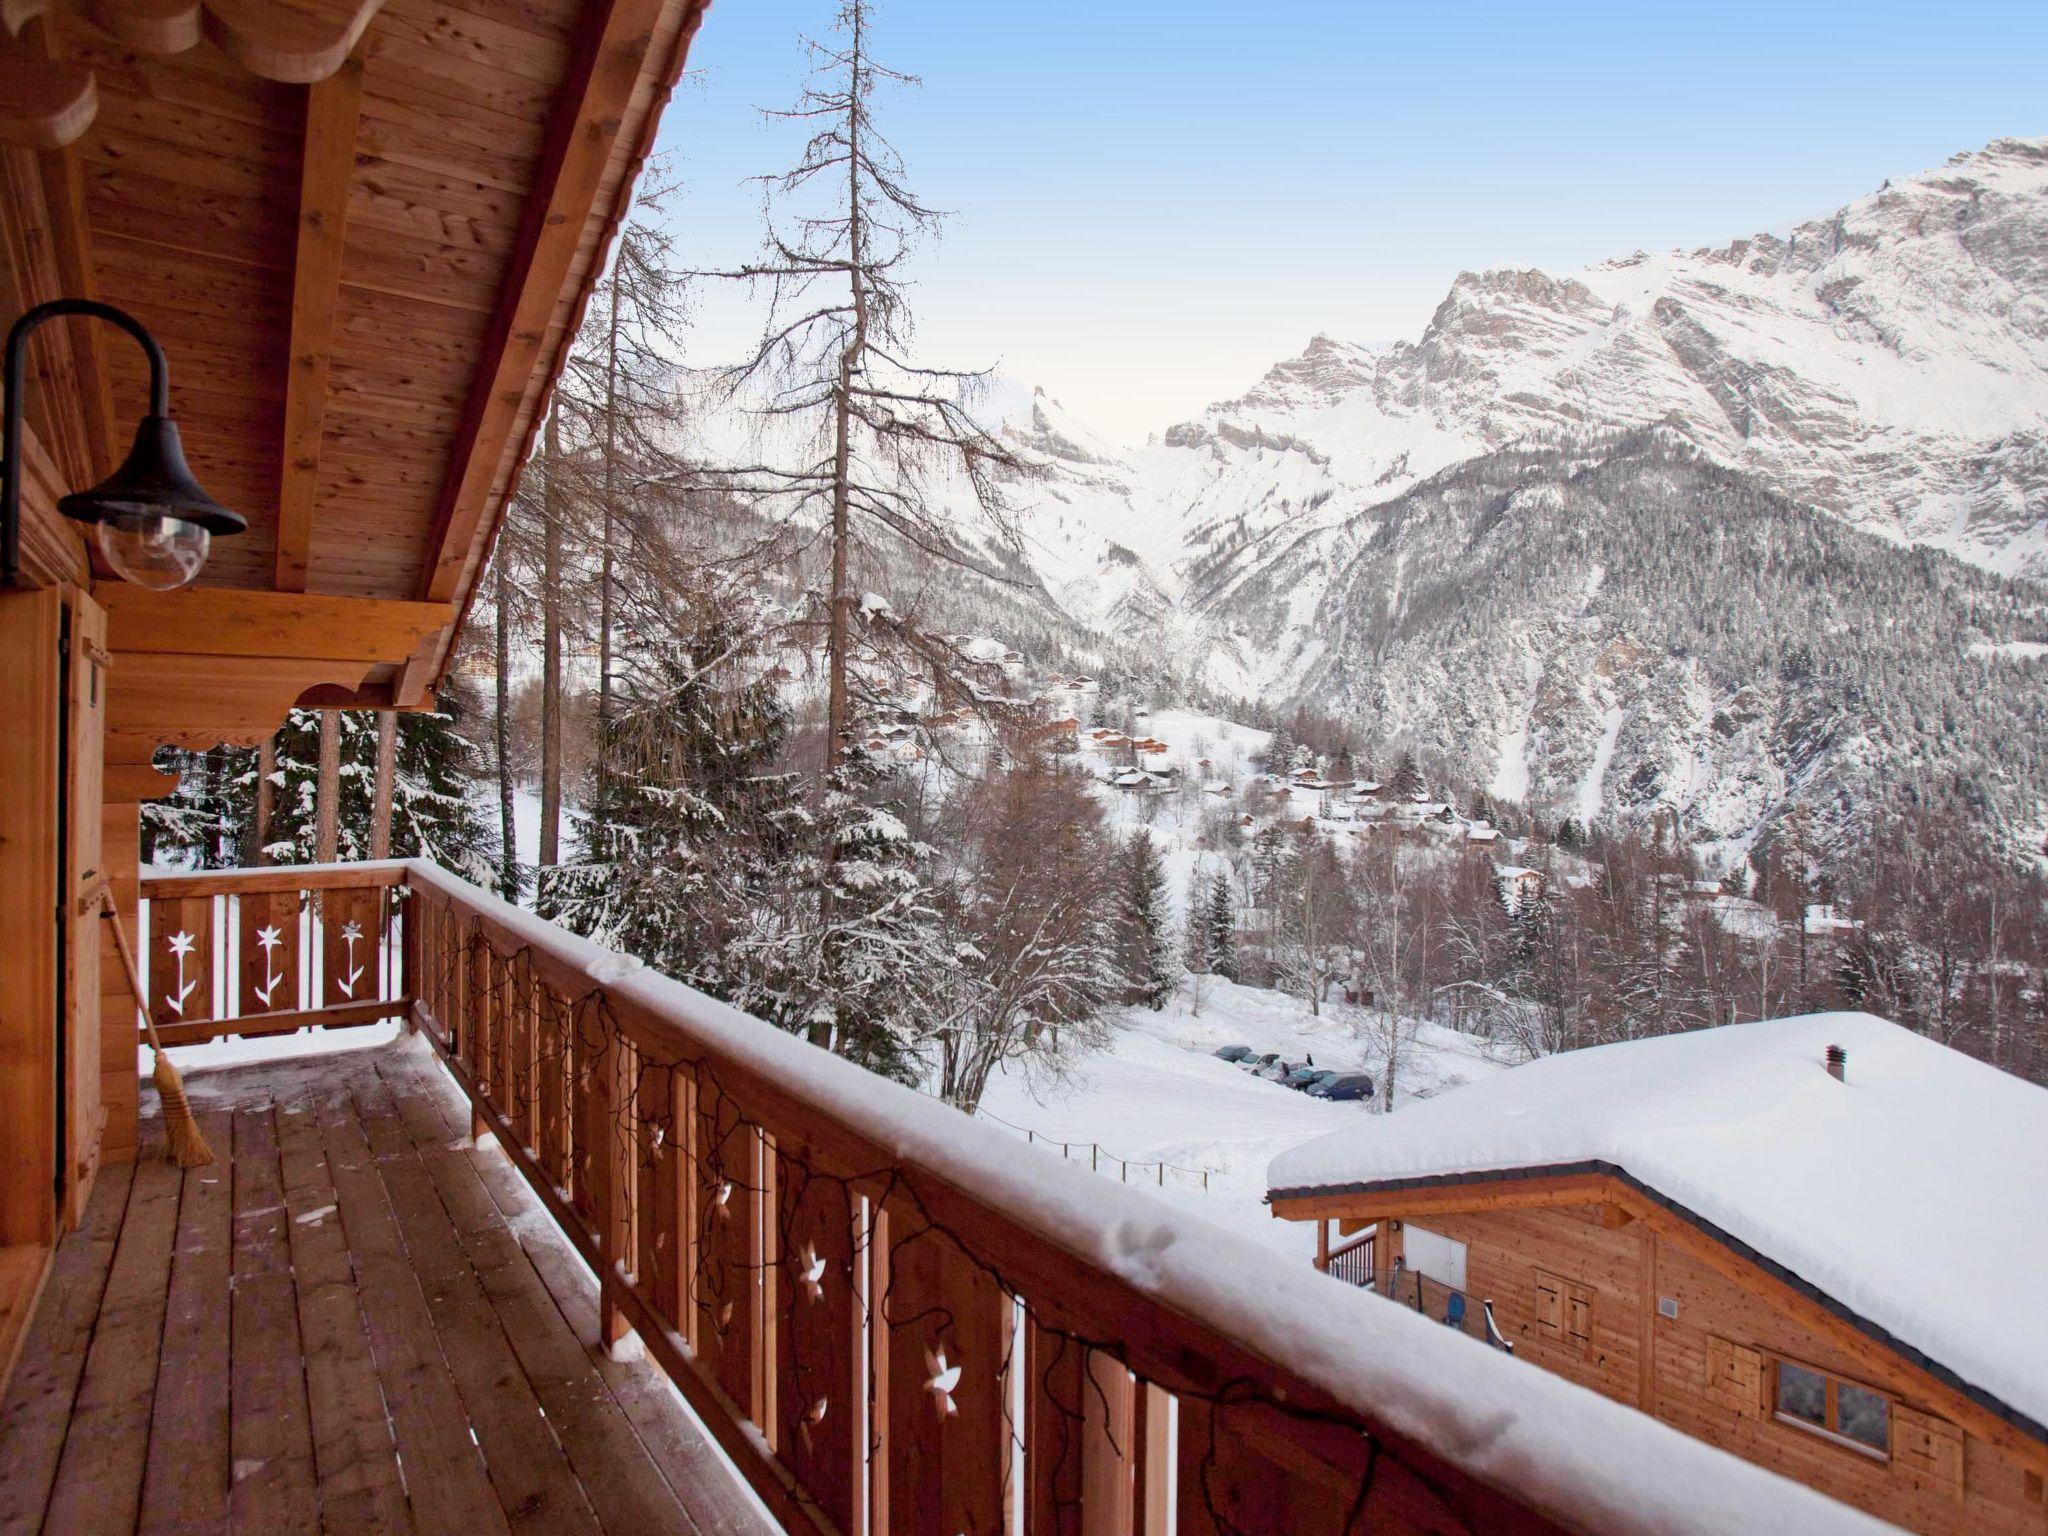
x: 266, y: 799
x: 387, y: 768
x: 327, y: 791
x: 604, y: 568
x: 551, y: 652
x: 508, y: 869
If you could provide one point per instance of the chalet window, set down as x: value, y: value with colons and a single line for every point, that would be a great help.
x: 1564, y: 1311
x: 1827, y: 1405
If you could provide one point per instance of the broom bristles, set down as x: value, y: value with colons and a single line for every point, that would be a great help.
x: 184, y: 1143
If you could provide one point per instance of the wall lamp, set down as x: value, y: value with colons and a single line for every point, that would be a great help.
x: 155, y: 522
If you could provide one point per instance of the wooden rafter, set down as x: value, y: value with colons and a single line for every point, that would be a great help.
x: 594, y: 103
x: 333, y: 113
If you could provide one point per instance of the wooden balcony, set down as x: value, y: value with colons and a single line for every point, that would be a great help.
x: 352, y: 1321
x: 889, y: 1318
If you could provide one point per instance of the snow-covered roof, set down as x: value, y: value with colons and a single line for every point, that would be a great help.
x: 1743, y: 1128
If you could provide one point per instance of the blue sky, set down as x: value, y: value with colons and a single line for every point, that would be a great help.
x: 1154, y: 201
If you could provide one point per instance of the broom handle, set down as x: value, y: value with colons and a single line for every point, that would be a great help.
x: 113, y: 915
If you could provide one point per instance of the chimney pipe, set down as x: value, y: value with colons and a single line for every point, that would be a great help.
x: 1838, y: 1064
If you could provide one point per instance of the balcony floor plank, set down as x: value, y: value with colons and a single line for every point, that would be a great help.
x: 37, y: 1412
x: 625, y: 1486
x: 361, y: 1487
x: 407, y: 1345
x: 186, y: 1484
x: 272, y: 1421
x: 99, y: 1479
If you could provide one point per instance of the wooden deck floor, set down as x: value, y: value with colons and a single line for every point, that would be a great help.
x: 353, y: 1321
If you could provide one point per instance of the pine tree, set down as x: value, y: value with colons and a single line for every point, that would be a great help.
x: 856, y: 959
x: 205, y: 821
x: 1144, y: 940
x: 433, y: 814
x: 1222, y: 929
x: 675, y: 854
x: 1195, y: 939
x: 1407, y: 780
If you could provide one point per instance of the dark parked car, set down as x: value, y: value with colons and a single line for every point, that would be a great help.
x: 1233, y: 1052
x: 1307, y: 1077
x: 1348, y: 1085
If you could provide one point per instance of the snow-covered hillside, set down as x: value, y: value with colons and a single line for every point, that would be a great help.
x: 1355, y: 531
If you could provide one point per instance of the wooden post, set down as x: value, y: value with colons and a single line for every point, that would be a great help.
x: 1323, y: 1245
x: 387, y: 767
x: 327, y: 810
x: 266, y: 798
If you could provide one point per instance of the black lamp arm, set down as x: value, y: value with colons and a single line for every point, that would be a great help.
x: 16, y: 367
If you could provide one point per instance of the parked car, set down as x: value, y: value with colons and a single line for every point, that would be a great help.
x: 1258, y: 1063
x: 1232, y: 1052
x: 1304, y: 1078
x: 1276, y: 1070
x: 1345, y: 1085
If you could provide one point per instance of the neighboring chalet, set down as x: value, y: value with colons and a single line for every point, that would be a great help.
x: 1816, y: 1242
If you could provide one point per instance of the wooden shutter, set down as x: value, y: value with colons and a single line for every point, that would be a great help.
x: 1929, y: 1448
x: 1549, y: 1304
x: 1735, y: 1376
x: 1578, y: 1315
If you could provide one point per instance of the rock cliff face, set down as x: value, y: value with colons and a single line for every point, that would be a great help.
x: 1656, y: 535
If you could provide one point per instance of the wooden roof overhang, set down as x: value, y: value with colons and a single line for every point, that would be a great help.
x: 1623, y: 1199
x: 364, y: 231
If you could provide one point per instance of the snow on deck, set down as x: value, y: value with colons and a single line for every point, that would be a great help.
x: 1743, y: 1126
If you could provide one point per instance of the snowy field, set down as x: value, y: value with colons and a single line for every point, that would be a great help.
x: 1158, y: 1095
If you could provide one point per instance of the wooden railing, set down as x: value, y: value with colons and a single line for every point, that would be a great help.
x: 268, y: 951
x: 896, y: 1325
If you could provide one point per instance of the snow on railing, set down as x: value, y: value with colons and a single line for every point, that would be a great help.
x: 892, y: 1322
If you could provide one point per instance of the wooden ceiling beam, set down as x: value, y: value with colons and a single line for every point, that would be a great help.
x: 591, y: 109
x: 333, y: 114
x: 223, y: 621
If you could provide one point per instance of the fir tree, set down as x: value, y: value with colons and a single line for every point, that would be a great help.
x: 1222, y: 929
x: 1407, y: 780
x: 1144, y: 942
x: 676, y: 852
x: 855, y: 958
x: 433, y: 815
x: 1195, y: 941
x: 205, y: 822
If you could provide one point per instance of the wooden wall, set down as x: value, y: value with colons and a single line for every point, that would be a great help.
x: 1665, y: 1365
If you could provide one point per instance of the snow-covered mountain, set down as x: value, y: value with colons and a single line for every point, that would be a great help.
x: 1550, y: 536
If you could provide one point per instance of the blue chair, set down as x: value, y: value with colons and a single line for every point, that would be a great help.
x: 1454, y: 1310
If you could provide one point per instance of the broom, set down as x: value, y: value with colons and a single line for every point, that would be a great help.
x: 184, y: 1143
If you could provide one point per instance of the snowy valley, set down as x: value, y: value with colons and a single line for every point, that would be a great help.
x: 1553, y: 539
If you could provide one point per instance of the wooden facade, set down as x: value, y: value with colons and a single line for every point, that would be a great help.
x: 363, y: 232
x: 1592, y: 1279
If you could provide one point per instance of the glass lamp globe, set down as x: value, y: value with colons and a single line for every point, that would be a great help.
x: 152, y: 550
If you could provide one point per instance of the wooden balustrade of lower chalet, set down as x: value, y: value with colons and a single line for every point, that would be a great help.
x: 894, y: 1322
